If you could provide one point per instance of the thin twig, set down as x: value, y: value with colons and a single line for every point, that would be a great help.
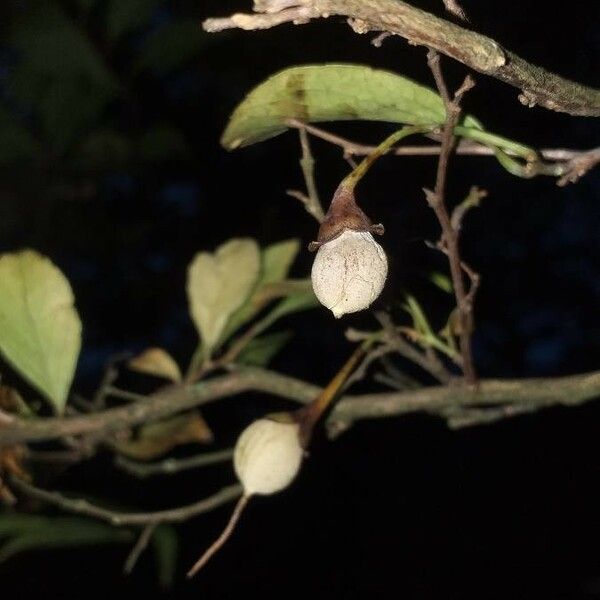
x: 119, y: 519
x: 172, y: 465
x: 220, y: 541
x: 578, y: 166
x: 571, y: 164
x: 124, y: 394
x: 470, y: 417
x: 472, y: 200
x: 436, y: 200
x: 428, y: 362
x: 361, y: 371
x: 402, y: 380
x: 110, y: 376
x: 139, y: 547
x: 311, y: 202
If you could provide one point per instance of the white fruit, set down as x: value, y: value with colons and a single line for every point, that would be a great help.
x: 267, y: 456
x: 349, y: 272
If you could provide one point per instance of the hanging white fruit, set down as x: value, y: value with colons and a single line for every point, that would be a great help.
x: 349, y: 272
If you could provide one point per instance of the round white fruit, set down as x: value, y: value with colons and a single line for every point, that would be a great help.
x: 349, y: 272
x: 267, y: 456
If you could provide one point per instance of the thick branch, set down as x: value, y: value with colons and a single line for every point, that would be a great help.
x: 571, y: 390
x: 478, y: 52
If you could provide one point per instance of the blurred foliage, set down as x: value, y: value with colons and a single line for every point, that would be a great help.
x: 75, y: 78
x: 166, y: 549
x: 22, y: 532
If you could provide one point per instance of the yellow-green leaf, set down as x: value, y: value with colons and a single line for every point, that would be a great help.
x: 40, y: 330
x: 157, y: 362
x: 330, y: 92
x: 218, y: 284
x: 276, y: 261
x: 261, y: 350
x: 347, y: 92
x: 441, y: 281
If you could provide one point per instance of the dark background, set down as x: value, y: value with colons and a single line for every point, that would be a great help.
x: 398, y: 508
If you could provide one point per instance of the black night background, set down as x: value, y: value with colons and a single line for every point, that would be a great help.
x: 394, y: 508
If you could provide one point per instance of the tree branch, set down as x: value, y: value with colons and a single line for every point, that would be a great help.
x: 489, y: 393
x: 450, y: 235
x: 120, y: 519
x: 169, y: 466
x: 139, y: 547
x: 476, y: 51
x: 570, y: 165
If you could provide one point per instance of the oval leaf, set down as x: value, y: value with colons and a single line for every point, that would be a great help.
x: 330, y: 92
x: 346, y: 92
x: 40, y: 330
x: 276, y: 262
x: 218, y: 284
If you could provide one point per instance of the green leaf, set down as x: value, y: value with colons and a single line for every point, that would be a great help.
x: 347, y: 92
x: 291, y: 304
x: 218, y: 284
x: 171, y: 46
x: 124, y: 16
x: 330, y: 92
x: 276, y: 262
x: 40, y: 330
x: 420, y: 321
x: 166, y: 548
x: 441, y: 281
x: 31, y: 532
x: 260, y: 351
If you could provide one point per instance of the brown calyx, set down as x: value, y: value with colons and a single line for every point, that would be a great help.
x: 343, y: 214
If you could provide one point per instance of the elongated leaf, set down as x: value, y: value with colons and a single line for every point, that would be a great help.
x: 292, y: 304
x: 347, y: 92
x: 441, y: 281
x: 277, y: 260
x: 40, y: 330
x: 260, y: 351
x: 420, y: 321
x: 330, y: 92
x: 30, y: 532
x: 218, y: 284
